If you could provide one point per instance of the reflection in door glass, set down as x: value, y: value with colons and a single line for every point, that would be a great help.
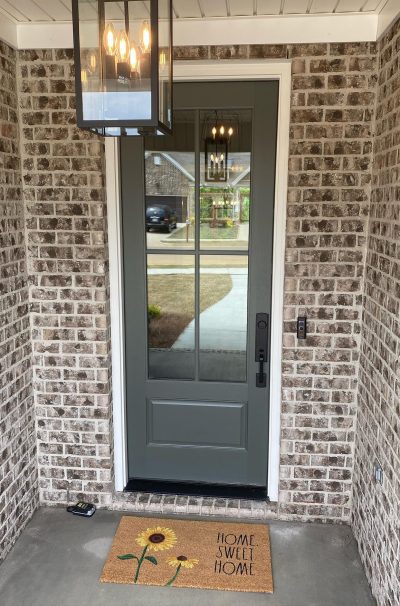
x: 223, y: 317
x: 225, y: 179
x: 170, y: 313
x: 170, y: 186
x: 197, y: 310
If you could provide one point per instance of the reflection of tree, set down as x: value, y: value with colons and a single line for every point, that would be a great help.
x: 244, y: 193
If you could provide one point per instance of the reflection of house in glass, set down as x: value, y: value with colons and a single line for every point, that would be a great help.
x: 170, y: 178
x: 170, y: 182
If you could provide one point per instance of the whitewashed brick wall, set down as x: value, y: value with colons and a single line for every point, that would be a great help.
x: 329, y: 187
x: 376, y: 512
x: 63, y: 181
x: 18, y: 469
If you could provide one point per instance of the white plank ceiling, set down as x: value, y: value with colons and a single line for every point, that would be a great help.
x: 39, y: 11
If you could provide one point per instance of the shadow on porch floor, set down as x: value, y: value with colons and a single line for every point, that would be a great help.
x: 58, y: 559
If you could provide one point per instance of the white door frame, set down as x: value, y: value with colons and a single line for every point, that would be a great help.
x: 197, y: 71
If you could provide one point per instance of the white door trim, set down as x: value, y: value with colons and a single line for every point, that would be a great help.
x: 197, y: 71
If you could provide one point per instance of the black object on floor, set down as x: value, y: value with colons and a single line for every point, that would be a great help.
x: 82, y: 509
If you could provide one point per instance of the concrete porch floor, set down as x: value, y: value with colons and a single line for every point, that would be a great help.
x: 58, y: 559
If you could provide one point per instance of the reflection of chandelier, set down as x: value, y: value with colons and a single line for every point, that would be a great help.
x: 216, y: 166
x: 221, y: 131
x: 216, y: 152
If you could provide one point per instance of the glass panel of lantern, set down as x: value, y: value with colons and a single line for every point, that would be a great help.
x: 123, y: 66
x: 165, y: 61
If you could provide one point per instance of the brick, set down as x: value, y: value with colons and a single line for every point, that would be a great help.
x: 327, y: 65
x: 229, y: 52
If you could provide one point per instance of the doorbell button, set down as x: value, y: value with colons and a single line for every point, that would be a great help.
x: 301, y: 327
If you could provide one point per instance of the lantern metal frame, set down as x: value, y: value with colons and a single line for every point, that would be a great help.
x: 145, y: 127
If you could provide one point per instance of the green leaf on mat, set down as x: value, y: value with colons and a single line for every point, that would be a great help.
x: 151, y: 559
x: 127, y: 556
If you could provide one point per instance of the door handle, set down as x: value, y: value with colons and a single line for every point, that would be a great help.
x: 261, y: 377
x: 262, y: 326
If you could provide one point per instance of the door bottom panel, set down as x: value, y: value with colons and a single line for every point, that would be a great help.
x: 210, y: 464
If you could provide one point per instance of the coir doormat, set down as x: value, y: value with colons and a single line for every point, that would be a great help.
x: 179, y: 553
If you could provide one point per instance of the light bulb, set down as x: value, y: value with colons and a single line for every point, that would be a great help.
x: 163, y: 58
x: 122, y: 46
x: 92, y: 63
x: 212, y: 157
x: 145, y: 36
x: 133, y: 58
x: 84, y: 77
x: 222, y: 157
x: 230, y: 131
x: 214, y: 131
x: 109, y: 39
x: 222, y: 130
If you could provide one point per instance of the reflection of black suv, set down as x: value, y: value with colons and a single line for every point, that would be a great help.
x: 160, y: 217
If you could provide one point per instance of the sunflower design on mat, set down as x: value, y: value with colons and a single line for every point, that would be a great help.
x: 157, y: 539
x: 179, y: 562
x: 151, y: 539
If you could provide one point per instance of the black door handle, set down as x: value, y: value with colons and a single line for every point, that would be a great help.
x: 262, y: 325
x: 261, y: 377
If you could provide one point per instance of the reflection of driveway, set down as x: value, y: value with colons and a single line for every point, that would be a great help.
x: 159, y: 238
x: 223, y: 326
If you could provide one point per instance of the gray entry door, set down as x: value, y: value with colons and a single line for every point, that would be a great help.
x: 197, y: 212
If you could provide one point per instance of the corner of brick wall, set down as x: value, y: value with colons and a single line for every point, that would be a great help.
x: 376, y: 508
x: 18, y: 466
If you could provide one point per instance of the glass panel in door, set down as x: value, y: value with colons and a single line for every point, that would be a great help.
x: 197, y: 211
x: 223, y: 324
x: 170, y: 186
x: 225, y: 179
x: 170, y: 312
x: 170, y: 259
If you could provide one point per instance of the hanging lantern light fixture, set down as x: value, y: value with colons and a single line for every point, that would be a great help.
x: 216, y: 152
x: 123, y: 66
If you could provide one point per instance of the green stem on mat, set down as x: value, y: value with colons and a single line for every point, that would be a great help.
x: 173, y: 579
x: 139, y: 564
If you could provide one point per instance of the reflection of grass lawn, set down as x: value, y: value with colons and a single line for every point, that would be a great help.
x: 206, y: 233
x: 174, y: 295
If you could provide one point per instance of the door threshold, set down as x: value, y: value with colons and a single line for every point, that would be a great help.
x: 201, y: 489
